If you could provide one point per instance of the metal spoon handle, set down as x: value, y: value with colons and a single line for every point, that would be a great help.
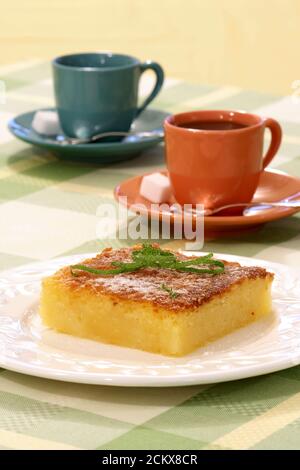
x: 293, y: 203
x: 110, y: 134
x: 103, y: 135
x: 285, y: 203
x: 76, y: 141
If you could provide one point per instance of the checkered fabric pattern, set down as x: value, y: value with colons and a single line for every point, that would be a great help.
x: 48, y: 209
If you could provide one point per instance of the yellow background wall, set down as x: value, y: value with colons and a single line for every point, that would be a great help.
x: 250, y: 43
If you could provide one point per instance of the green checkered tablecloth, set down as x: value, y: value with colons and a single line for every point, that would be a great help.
x: 48, y: 209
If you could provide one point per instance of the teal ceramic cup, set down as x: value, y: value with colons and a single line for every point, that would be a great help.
x: 98, y: 92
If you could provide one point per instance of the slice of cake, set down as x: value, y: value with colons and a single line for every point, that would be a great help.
x: 153, y: 299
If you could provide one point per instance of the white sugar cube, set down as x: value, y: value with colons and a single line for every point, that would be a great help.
x: 46, y: 122
x: 156, y: 188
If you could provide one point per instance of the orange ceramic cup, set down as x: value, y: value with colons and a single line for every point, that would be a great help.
x: 219, y: 166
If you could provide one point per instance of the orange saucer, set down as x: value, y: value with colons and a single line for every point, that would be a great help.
x: 274, y: 185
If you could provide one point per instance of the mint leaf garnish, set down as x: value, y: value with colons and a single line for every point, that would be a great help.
x: 150, y: 256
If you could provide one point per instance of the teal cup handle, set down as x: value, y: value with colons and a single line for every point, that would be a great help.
x: 157, y: 69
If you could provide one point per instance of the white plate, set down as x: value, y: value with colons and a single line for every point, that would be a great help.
x: 26, y: 346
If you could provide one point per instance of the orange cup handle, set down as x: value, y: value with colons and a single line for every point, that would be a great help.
x: 276, y: 134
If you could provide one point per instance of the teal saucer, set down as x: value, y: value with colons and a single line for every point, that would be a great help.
x: 105, y: 152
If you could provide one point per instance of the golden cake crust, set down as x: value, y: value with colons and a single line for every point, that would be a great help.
x: 145, y: 285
